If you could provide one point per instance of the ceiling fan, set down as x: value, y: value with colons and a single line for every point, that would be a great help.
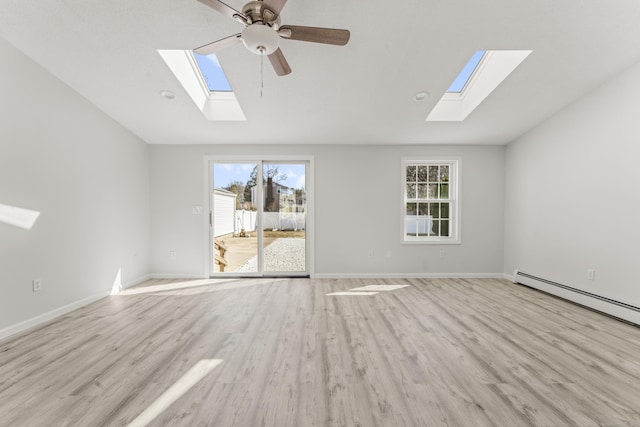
x: 263, y: 31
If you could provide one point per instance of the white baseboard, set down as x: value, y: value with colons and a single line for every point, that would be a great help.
x: 45, y: 317
x: 50, y: 315
x: 509, y: 277
x: 173, y: 276
x: 408, y: 276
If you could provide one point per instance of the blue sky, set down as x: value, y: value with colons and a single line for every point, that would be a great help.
x: 225, y: 173
x: 460, y: 81
x: 212, y: 72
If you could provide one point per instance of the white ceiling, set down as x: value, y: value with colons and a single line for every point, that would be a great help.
x: 360, y: 93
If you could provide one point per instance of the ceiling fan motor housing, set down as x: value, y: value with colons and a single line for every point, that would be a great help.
x: 258, y: 12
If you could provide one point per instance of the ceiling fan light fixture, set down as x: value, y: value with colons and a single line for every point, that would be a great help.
x: 260, y: 39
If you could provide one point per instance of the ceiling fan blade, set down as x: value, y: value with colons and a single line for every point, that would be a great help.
x: 218, y: 45
x: 222, y: 8
x: 275, y: 5
x: 279, y: 63
x: 315, y: 35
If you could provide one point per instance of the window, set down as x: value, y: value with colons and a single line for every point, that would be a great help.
x: 430, y: 203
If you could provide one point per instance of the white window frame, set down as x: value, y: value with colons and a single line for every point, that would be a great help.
x: 454, y: 200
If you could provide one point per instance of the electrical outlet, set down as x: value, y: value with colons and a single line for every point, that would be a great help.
x: 372, y: 254
x: 591, y: 274
x: 37, y: 285
x: 441, y: 254
x: 388, y: 253
x: 173, y: 255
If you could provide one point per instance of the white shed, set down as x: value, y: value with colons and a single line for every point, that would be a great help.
x: 224, y: 212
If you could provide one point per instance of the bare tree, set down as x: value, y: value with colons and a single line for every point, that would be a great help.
x: 237, y: 187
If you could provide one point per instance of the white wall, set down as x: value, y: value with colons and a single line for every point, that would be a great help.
x: 364, y: 180
x: 89, y: 178
x: 572, y: 196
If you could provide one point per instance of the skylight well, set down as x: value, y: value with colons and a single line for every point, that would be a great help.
x: 480, y: 76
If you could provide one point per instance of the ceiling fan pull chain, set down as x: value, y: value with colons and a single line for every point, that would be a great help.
x: 261, y: 74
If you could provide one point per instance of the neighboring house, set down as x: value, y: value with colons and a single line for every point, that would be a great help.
x: 280, y: 198
x: 285, y: 207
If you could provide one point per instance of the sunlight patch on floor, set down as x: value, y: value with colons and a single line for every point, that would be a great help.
x: 380, y: 288
x: 368, y: 290
x: 351, y: 293
x: 173, y: 393
x: 192, y: 287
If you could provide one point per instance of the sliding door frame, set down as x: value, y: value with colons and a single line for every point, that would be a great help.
x: 209, y: 160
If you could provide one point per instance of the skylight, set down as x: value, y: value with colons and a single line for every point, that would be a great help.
x: 205, y: 83
x: 212, y: 73
x: 461, y: 81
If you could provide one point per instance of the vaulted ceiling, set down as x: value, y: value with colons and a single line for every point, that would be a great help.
x: 360, y: 93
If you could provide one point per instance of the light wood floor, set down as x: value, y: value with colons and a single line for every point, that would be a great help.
x: 435, y: 353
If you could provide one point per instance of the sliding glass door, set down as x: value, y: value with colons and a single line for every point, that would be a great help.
x: 233, y: 225
x: 258, y: 223
x: 284, y: 218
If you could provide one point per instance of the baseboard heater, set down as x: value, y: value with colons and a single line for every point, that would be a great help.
x: 608, y: 306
